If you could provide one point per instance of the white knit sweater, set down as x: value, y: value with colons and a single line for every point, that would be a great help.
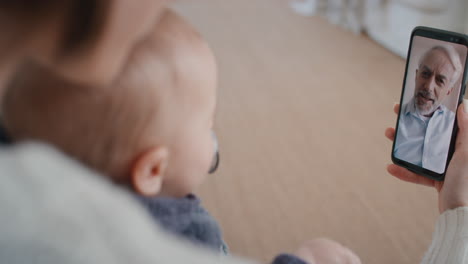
x: 450, y: 238
x: 53, y: 211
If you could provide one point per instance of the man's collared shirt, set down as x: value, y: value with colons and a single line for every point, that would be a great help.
x: 424, y: 141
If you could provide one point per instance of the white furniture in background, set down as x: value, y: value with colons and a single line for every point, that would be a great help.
x: 346, y: 13
x: 390, y: 22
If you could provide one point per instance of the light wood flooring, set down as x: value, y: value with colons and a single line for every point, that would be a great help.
x: 302, y: 108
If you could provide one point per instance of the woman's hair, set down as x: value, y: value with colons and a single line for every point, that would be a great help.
x: 82, y: 23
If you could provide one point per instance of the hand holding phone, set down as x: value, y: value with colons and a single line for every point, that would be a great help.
x: 433, y: 87
x: 453, y: 191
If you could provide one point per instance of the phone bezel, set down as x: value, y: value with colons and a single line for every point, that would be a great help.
x: 447, y: 36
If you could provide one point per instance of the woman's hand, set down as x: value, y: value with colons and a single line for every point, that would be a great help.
x: 453, y: 192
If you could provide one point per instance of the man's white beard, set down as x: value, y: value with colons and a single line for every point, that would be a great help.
x: 426, y: 112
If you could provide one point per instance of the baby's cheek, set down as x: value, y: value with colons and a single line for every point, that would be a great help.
x: 203, y: 158
x: 209, y: 153
x: 194, y: 160
x: 202, y: 152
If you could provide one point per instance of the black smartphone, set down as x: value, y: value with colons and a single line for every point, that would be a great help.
x: 433, y: 86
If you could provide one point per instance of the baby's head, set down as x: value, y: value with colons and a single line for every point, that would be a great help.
x: 151, y: 129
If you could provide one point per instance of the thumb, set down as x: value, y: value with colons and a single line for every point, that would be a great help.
x: 462, y: 121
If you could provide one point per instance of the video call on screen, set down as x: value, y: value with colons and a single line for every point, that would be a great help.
x: 427, y: 113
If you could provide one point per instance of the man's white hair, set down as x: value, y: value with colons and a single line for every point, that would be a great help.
x: 454, y: 58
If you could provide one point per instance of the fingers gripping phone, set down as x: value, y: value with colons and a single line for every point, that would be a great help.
x: 434, y: 85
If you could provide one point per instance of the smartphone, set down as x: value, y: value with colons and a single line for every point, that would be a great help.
x: 433, y: 86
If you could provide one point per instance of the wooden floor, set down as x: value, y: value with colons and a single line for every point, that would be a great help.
x: 302, y: 109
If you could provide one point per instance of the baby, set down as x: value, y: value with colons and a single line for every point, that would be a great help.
x: 149, y: 131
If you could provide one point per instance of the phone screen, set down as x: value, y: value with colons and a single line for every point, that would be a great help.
x: 432, y: 87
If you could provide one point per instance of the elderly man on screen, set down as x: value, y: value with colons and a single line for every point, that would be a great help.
x: 425, y: 125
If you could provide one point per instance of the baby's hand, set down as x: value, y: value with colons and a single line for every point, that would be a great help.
x: 326, y: 251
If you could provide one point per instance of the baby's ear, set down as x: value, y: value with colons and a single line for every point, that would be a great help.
x: 148, y: 171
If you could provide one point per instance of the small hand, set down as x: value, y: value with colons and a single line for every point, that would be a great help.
x: 326, y: 251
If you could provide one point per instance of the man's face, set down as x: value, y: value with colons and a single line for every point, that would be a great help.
x: 433, y: 79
